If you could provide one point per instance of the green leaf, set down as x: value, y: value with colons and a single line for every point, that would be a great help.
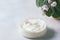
x: 40, y: 3
x: 58, y: 1
x: 50, y: 12
x: 57, y: 11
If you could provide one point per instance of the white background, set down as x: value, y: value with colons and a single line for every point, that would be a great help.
x: 13, y: 11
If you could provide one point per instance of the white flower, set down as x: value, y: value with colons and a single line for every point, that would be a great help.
x: 49, y: 1
x: 53, y: 4
x: 44, y: 7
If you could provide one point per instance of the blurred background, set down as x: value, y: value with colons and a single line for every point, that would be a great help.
x: 11, y: 13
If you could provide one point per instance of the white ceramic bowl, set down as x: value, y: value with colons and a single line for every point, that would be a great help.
x: 35, y: 34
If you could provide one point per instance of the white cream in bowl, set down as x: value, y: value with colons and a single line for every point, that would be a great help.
x: 33, y: 28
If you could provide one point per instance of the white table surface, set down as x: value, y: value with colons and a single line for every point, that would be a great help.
x: 13, y: 11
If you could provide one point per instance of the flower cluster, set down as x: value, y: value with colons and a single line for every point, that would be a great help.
x: 51, y: 3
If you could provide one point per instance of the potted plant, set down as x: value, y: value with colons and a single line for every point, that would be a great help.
x: 50, y: 7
